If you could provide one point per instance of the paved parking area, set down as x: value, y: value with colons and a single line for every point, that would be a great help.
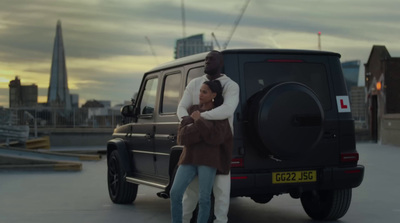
x: 81, y: 196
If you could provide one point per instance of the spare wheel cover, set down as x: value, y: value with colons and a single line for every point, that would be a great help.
x: 289, y: 120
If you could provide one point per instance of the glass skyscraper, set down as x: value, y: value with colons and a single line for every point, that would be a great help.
x: 58, y: 94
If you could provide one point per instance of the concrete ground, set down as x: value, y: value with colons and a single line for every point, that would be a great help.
x: 81, y: 196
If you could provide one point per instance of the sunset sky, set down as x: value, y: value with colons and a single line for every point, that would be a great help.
x: 105, y: 40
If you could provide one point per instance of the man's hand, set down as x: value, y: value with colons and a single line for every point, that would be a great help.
x: 195, y: 115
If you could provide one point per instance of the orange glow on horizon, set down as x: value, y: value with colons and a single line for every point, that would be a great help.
x: 42, y: 99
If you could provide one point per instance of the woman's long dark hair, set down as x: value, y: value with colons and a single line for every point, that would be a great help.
x: 216, y: 87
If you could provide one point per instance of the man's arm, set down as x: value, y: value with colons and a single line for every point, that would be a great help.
x: 231, y: 100
x: 185, y: 102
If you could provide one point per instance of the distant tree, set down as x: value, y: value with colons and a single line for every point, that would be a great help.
x: 92, y: 104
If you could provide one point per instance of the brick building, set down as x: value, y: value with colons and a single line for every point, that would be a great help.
x: 22, y: 95
x: 382, y: 81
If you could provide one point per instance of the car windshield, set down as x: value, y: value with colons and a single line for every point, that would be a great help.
x: 260, y: 75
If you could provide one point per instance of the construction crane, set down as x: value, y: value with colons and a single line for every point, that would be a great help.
x: 235, y: 24
x: 183, y: 19
x: 216, y: 41
x: 151, y: 49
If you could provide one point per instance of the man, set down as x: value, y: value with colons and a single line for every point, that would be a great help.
x: 221, y: 189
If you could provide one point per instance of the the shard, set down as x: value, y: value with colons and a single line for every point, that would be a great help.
x: 58, y: 94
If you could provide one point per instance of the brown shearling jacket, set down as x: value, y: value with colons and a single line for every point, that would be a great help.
x: 206, y: 142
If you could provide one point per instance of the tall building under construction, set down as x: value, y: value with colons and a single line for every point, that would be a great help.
x: 192, y: 45
x: 58, y: 93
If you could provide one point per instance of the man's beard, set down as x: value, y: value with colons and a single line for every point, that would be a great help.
x: 211, y: 72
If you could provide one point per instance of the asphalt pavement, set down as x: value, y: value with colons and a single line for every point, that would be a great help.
x: 81, y: 196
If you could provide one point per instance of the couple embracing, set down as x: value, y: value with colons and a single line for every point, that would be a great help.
x: 206, y: 132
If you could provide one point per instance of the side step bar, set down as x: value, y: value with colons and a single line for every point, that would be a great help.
x: 143, y: 182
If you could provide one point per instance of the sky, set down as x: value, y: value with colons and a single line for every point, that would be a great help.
x: 107, y: 51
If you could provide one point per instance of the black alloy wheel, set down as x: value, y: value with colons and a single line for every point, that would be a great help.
x: 120, y: 191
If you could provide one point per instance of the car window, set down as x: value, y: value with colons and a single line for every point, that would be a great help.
x: 149, y: 97
x: 261, y: 74
x: 170, y: 97
x: 193, y: 73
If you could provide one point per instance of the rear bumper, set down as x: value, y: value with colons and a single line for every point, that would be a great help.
x: 248, y: 184
x: 342, y: 177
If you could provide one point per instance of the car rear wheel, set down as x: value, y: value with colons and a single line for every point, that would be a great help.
x: 120, y: 191
x: 326, y: 205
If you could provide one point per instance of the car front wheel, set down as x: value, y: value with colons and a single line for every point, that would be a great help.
x: 120, y: 191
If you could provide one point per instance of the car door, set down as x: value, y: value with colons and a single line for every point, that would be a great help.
x: 142, y: 137
x: 167, y: 121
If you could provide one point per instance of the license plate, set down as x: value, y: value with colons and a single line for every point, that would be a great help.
x: 294, y: 177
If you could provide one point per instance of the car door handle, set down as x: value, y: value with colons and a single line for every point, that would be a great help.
x: 171, y: 137
x: 148, y: 136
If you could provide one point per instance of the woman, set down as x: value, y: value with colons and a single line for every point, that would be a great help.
x: 207, y: 150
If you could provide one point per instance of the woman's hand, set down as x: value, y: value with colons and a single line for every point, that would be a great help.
x: 186, y: 120
x: 195, y: 115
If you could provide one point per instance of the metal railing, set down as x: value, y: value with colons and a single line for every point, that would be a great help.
x: 42, y: 117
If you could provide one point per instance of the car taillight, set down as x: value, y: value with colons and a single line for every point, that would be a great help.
x: 349, y: 157
x: 237, y: 162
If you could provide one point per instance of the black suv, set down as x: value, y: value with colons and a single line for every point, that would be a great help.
x: 294, y: 131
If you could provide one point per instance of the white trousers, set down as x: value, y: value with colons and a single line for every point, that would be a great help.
x: 221, y: 190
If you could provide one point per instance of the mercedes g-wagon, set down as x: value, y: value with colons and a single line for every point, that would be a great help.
x: 293, y: 130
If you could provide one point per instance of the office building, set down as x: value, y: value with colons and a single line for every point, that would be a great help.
x: 192, y: 45
x: 351, y: 72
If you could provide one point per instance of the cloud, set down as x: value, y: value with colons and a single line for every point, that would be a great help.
x: 107, y: 53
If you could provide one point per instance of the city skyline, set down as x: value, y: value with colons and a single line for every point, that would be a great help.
x: 107, y: 53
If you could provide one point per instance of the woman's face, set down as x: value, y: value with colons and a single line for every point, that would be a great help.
x: 206, y: 95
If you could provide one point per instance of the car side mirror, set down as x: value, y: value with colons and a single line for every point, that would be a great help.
x: 128, y: 111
